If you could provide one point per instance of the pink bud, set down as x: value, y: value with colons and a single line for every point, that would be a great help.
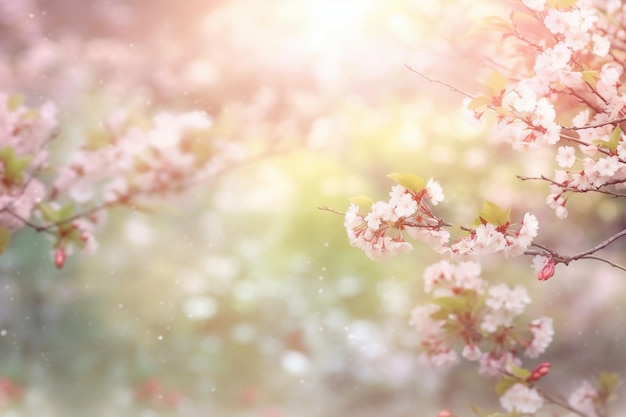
x: 540, y: 371
x: 547, y: 271
x: 59, y: 257
x: 445, y: 413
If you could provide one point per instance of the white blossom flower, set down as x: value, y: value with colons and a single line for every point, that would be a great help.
x: 582, y: 399
x: 405, y: 206
x: 566, y: 156
x: 522, y: 399
x: 501, y: 297
x: 601, y: 44
x: 471, y: 353
x: 434, y: 192
x: 542, y: 330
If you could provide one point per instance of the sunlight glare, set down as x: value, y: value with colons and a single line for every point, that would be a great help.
x: 330, y: 24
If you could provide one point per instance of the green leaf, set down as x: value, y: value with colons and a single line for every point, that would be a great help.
x: 49, y: 214
x: 15, y: 101
x: 97, y: 139
x: 66, y: 211
x: 607, y: 384
x: 562, y: 4
x: 496, y: 23
x: 478, y: 102
x: 494, y: 214
x: 496, y: 83
x: 362, y: 201
x: 6, y: 153
x: 15, y: 168
x: 521, y: 373
x: 476, y: 302
x: 613, y: 142
x: 481, y: 412
x: 504, y: 112
x: 13, y: 165
x: 5, y: 239
x: 451, y: 304
x: 409, y: 181
x: 590, y: 76
x: 504, y: 384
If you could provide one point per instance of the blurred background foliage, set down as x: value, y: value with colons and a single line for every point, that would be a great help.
x: 241, y: 297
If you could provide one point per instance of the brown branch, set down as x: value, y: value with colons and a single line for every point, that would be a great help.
x: 601, y: 245
x: 332, y: 210
x: 560, y: 403
x: 613, y: 264
x: 450, y: 86
x: 576, y: 190
x: 610, y: 122
x: 588, y: 254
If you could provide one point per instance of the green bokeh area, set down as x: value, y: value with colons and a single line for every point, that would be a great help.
x: 241, y: 296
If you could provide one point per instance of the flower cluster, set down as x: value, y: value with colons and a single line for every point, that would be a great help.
x: 126, y: 162
x: 583, y: 398
x: 522, y: 399
x: 380, y: 232
x: 464, y: 308
x: 24, y: 132
x: 567, y: 68
x: 563, y: 90
x: 488, y: 238
x: 128, y: 159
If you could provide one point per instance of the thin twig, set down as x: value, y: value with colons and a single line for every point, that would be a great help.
x: 613, y: 264
x: 601, y: 245
x: 561, y: 404
x: 332, y: 210
x: 588, y: 254
x: 610, y: 122
x: 450, y: 86
x: 576, y: 190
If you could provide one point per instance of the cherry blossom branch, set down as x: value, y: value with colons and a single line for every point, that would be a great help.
x: 593, y: 126
x: 432, y: 80
x: 603, y: 244
x: 560, y: 403
x: 581, y: 142
x: 606, y: 261
x: 576, y: 190
x: 588, y: 254
x: 47, y: 228
x: 332, y: 210
x: 127, y: 200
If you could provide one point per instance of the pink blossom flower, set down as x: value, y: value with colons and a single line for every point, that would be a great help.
x: 544, y: 267
x: 543, y: 331
x: 608, y: 166
x: 556, y: 21
x: 471, y: 353
x: 566, y: 156
x: 582, y: 399
x: 522, y: 399
x: 601, y: 44
x: 501, y: 297
x: 434, y: 192
x: 493, y: 365
x: 561, y: 212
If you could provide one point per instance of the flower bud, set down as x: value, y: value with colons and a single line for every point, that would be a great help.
x: 59, y: 257
x: 547, y: 271
x: 540, y: 371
